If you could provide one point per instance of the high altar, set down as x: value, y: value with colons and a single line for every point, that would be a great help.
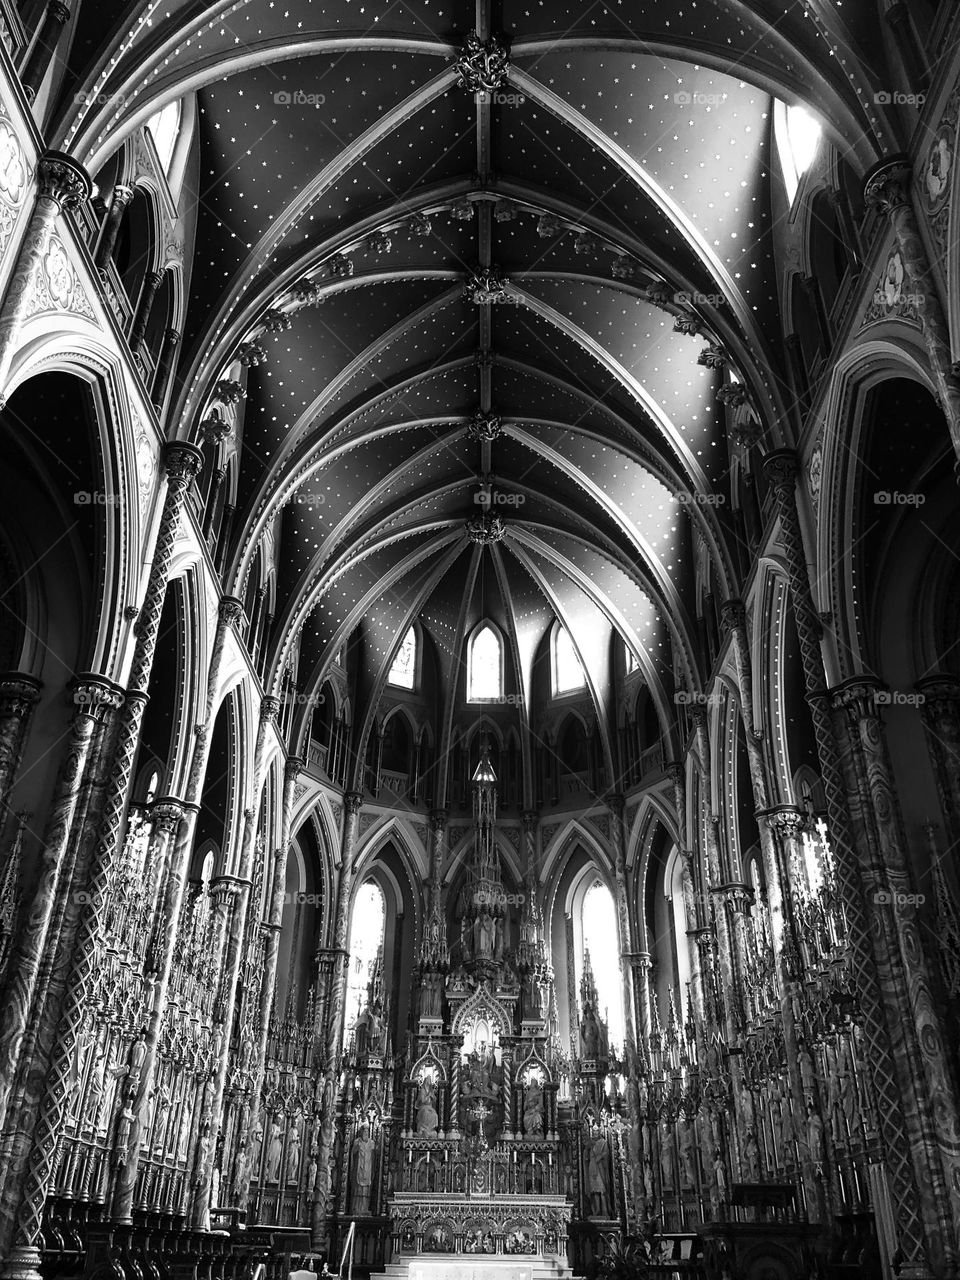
x: 483, y: 1137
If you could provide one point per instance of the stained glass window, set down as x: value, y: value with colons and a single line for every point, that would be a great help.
x: 486, y: 666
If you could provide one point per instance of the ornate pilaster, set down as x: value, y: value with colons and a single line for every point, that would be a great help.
x: 901, y: 1207
x: 182, y: 461
x: 61, y: 184
x: 19, y: 694
x: 230, y: 970
x: 887, y: 189
x: 892, y: 908
x: 940, y: 711
x: 291, y: 773
x: 335, y: 1015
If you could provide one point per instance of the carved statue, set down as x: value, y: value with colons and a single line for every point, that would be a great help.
x: 589, y: 1034
x: 532, y: 1107
x: 668, y: 1164
x: 427, y: 1118
x: 647, y: 1178
x: 363, y: 1171
x: 487, y: 936
x: 274, y: 1151
x: 751, y: 1157
x: 815, y: 1144
x: 293, y: 1151
x: 598, y: 1177
x: 688, y: 1153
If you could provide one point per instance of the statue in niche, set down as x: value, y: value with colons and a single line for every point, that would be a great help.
x: 431, y: 996
x: 598, y: 1177
x: 293, y: 1151
x: 312, y: 1170
x: 815, y: 1145
x: 487, y: 936
x: 427, y: 1118
x: 369, y: 1031
x: 668, y: 1164
x: 274, y: 1151
x: 688, y: 1155
x: 589, y: 1034
x: 532, y: 1004
x: 532, y: 1107
x: 751, y: 1157
x: 718, y: 1191
x: 362, y: 1171
x: 647, y: 1178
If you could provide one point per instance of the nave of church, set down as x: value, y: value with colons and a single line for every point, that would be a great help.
x: 480, y: 640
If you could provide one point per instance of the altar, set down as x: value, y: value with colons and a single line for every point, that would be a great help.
x: 494, y: 1229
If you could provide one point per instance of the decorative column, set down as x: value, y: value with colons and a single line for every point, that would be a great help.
x: 336, y: 1013
x: 891, y: 893
x: 94, y: 700
x: 122, y: 195
x: 61, y: 184
x: 903, y: 1207
x: 631, y: 1164
x: 693, y: 916
x: 182, y: 462
x: 229, y: 975
x: 887, y: 189
x: 167, y: 815
x: 292, y: 771
x: 45, y: 46
x: 165, y: 366
x: 148, y: 293
x: 19, y: 694
x: 940, y: 711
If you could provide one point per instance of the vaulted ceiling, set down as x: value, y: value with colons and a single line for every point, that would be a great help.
x: 485, y: 303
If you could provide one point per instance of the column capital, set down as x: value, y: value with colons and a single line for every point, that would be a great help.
x: 122, y: 194
x: 785, y: 819
x: 167, y: 813
x: 63, y: 179
x: 733, y: 614
x: 529, y: 819
x: 939, y: 688
x: 438, y: 820
x: 172, y: 336
x: 887, y: 185
x: 182, y: 460
x: 293, y: 768
x: 616, y: 803
x: 782, y: 468
x: 231, y: 610
x: 353, y: 801
x: 18, y: 693
x: 861, y: 695
x: 94, y: 693
x: 269, y: 708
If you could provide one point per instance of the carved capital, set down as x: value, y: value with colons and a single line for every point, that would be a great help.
x: 167, y: 814
x: 230, y: 610
x: 122, y: 195
x: 18, y: 694
x: 92, y: 695
x: 293, y: 768
x: 530, y: 819
x: 886, y: 187
x: 353, y: 801
x: 733, y: 615
x: 786, y: 820
x: 269, y: 709
x: 860, y: 697
x: 61, y: 178
x: 182, y: 461
x: 938, y: 692
x: 782, y: 468
x: 213, y: 428
x: 438, y: 820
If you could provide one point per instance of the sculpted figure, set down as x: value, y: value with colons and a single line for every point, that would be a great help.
x: 274, y: 1151
x: 598, y: 1177
x: 363, y: 1171
x: 532, y: 1107
x: 427, y: 1118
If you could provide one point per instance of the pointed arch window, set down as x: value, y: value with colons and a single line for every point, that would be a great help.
x: 598, y: 919
x: 367, y: 924
x: 798, y: 136
x: 164, y: 130
x: 568, y: 674
x: 403, y: 672
x: 485, y: 666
